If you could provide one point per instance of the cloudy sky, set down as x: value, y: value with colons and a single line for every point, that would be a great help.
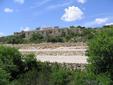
x: 17, y: 15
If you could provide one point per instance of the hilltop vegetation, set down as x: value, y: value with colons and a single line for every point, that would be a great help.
x: 71, y: 34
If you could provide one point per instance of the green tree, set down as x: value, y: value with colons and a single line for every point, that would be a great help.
x: 11, y: 61
x: 100, y: 52
x: 36, y: 38
x: 4, y: 77
x: 30, y: 61
x: 60, y: 75
x: 14, y: 39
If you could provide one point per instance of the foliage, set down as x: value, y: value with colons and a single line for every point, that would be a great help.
x: 57, y: 75
x: 36, y: 38
x: 4, y: 77
x: 14, y: 39
x: 60, y: 75
x: 104, y: 80
x: 11, y: 61
x: 13, y: 64
x: 100, y: 52
x: 30, y: 61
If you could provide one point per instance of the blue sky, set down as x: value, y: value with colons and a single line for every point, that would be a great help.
x: 17, y: 15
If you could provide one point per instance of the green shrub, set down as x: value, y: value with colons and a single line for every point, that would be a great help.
x: 11, y: 61
x: 4, y: 77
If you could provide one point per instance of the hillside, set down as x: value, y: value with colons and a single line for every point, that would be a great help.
x: 70, y: 34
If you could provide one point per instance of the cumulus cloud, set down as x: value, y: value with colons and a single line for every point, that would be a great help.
x: 72, y: 14
x: 1, y: 34
x: 101, y: 20
x: 8, y: 10
x: 97, y: 22
x: 25, y: 28
x: 81, y: 1
x: 109, y: 23
x: 20, y: 1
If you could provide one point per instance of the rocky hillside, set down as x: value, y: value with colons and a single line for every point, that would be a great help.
x: 70, y: 34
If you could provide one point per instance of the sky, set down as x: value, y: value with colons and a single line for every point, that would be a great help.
x: 18, y: 15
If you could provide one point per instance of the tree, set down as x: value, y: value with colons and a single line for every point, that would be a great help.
x: 60, y: 75
x: 36, y: 38
x: 30, y: 61
x: 100, y: 52
x: 4, y: 77
x: 11, y: 61
x: 14, y: 39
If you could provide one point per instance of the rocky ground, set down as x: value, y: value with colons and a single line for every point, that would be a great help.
x: 56, y: 52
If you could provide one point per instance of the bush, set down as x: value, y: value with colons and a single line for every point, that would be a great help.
x: 4, y: 77
x: 100, y: 52
x: 14, y: 39
x: 11, y: 61
x: 36, y: 38
x: 30, y: 61
x: 13, y: 65
x: 104, y: 79
x: 59, y: 75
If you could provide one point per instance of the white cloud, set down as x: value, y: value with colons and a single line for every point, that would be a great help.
x: 109, y: 23
x: 97, y: 22
x: 20, y: 1
x: 81, y: 1
x: 101, y: 20
x: 8, y: 10
x: 72, y: 14
x: 56, y: 6
x: 1, y: 34
x: 25, y: 28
